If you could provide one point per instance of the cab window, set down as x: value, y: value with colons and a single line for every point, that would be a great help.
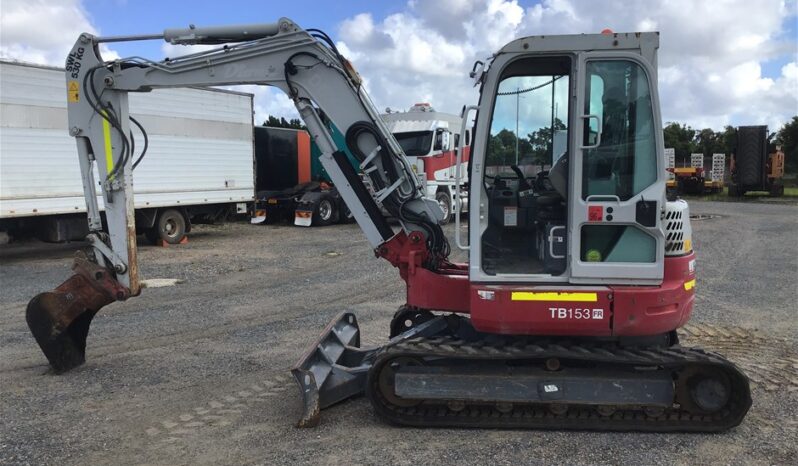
x: 623, y: 163
x: 525, y: 174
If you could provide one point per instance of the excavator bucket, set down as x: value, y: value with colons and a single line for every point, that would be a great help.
x: 59, y: 320
x: 335, y: 367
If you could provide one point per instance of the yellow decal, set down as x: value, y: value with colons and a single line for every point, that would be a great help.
x: 73, y: 96
x: 554, y: 296
x: 689, y: 284
x: 688, y: 245
x: 109, y: 151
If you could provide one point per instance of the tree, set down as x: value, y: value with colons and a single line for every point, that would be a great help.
x: 501, y: 150
x: 728, y: 139
x: 541, y: 142
x: 682, y: 139
x: 293, y: 123
x: 788, y: 138
x: 709, y: 142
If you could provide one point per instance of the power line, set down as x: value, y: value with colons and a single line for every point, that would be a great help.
x: 522, y: 91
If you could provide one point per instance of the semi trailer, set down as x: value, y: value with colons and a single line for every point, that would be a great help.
x: 198, y: 164
x: 695, y: 179
x: 291, y: 183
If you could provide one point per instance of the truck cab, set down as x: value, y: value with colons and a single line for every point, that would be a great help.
x: 428, y: 139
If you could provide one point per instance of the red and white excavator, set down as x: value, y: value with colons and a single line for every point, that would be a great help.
x: 565, y: 315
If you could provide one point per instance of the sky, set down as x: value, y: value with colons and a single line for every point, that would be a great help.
x: 721, y: 62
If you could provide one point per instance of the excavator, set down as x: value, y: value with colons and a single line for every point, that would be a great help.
x: 579, y: 275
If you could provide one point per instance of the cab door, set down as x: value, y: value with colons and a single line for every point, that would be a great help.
x: 618, y: 177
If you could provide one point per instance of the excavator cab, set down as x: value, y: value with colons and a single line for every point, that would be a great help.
x: 570, y: 159
x: 570, y: 163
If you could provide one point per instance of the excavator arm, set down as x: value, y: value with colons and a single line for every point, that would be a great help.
x: 306, y: 65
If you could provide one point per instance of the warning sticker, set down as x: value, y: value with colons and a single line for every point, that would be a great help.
x: 73, y: 94
x: 511, y: 216
x: 595, y: 213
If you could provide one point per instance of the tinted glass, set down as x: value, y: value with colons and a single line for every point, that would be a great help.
x: 416, y: 143
x: 624, y: 162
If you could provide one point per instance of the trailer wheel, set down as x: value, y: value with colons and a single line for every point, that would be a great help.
x: 170, y: 226
x: 445, y: 201
x: 735, y: 190
x: 671, y: 193
x: 325, y: 212
x: 344, y: 215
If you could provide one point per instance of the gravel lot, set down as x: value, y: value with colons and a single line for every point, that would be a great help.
x: 197, y: 373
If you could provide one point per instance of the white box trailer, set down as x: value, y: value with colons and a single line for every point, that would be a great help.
x: 199, y: 164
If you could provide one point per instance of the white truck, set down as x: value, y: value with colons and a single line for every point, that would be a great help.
x: 198, y: 165
x: 429, y: 139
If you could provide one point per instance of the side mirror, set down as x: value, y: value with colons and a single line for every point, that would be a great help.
x: 442, y: 140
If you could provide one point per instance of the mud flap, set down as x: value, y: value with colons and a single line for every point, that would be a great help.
x: 335, y: 368
x: 59, y: 320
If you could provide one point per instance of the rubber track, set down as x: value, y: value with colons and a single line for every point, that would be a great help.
x: 578, y: 417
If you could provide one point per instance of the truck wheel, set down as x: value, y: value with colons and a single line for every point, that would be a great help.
x: 169, y: 227
x: 345, y: 216
x: 776, y: 190
x: 324, y: 214
x: 671, y: 193
x: 445, y: 201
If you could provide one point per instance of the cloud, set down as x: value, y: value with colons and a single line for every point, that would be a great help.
x: 716, y: 63
x: 710, y: 61
x: 43, y: 32
x: 267, y: 100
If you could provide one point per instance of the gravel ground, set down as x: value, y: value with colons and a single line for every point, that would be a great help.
x: 197, y: 373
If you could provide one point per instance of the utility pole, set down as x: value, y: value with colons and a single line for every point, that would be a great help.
x: 517, y: 104
x: 551, y: 156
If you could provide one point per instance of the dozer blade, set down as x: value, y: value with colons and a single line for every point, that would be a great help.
x: 59, y: 320
x: 335, y: 368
